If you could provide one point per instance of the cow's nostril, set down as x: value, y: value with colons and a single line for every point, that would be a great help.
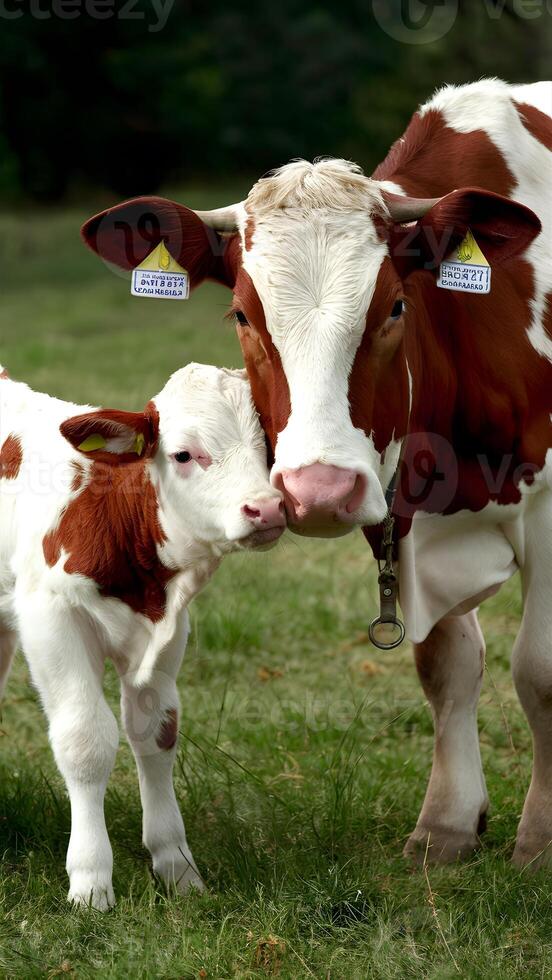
x: 357, y: 495
x: 251, y: 512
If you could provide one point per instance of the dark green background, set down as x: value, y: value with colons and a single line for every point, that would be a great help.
x: 226, y: 89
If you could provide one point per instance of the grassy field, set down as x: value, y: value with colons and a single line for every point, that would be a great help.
x: 304, y: 751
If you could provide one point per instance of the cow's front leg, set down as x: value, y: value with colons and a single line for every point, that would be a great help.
x: 450, y: 666
x: 532, y: 668
x: 151, y: 720
x: 67, y: 668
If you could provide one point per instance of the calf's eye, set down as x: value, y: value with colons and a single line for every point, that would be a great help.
x: 241, y: 318
x: 183, y: 457
x: 398, y: 307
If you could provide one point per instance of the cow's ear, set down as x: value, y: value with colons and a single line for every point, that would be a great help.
x: 126, y: 233
x: 109, y: 436
x: 502, y: 229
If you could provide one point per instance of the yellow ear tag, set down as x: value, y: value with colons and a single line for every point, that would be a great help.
x: 91, y: 443
x: 139, y: 444
x: 466, y: 269
x: 469, y: 251
x: 159, y: 276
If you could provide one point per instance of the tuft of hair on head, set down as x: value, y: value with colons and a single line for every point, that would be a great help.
x: 328, y: 183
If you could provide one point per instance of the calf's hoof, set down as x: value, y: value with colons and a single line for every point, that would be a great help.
x: 439, y: 846
x: 176, y: 868
x: 91, y: 890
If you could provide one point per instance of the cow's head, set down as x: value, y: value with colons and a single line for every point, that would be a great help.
x: 319, y: 258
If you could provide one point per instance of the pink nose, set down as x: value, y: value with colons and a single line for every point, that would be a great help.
x: 320, y: 493
x: 265, y: 513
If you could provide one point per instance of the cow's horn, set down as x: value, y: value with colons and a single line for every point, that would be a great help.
x: 404, y: 209
x: 221, y: 219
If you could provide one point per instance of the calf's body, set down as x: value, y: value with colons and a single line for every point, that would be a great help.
x: 110, y: 523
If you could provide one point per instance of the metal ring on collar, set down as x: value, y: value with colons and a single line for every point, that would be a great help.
x: 386, y: 635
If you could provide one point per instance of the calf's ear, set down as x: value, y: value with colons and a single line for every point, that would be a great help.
x: 113, y: 437
x: 502, y: 229
x: 126, y: 233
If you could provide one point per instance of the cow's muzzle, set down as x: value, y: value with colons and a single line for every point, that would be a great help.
x: 321, y: 499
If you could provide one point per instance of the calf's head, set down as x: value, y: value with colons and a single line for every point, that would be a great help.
x: 321, y: 260
x: 205, y: 454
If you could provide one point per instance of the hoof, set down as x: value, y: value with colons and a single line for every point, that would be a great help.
x: 532, y: 851
x: 90, y: 891
x: 177, y: 870
x: 439, y: 846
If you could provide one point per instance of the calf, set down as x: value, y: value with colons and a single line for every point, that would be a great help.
x: 110, y: 523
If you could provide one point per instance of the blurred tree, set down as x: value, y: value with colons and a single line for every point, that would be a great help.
x: 222, y: 90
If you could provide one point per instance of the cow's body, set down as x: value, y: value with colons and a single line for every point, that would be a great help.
x: 101, y: 550
x: 356, y: 357
x: 485, y: 136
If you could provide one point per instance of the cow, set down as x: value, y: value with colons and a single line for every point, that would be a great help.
x: 366, y: 372
x: 110, y: 523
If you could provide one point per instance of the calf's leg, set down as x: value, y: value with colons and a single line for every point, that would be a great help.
x: 8, y: 646
x: 450, y: 665
x: 63, y: 656
x: 151, y: 718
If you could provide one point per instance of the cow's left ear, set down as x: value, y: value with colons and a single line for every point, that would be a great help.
x: 502, y: 229
x: 109, y: 436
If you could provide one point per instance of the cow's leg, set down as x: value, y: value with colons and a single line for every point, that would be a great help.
x: 532, y: 669
x: 450, y: 666
x: 151, y: 720
x: 67, y: 668
x: 8, y: 646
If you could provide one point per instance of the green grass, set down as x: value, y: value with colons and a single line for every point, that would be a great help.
x: 304, y: 751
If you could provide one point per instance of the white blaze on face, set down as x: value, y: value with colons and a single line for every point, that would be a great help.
x: 315, y: 267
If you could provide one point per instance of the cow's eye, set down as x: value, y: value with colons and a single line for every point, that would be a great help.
x: 241, y: 318
x: 183, y: 457
x: 398, y: 307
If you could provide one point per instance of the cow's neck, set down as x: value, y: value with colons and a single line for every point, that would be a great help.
x: 431, y: 159
x: 478, y: 385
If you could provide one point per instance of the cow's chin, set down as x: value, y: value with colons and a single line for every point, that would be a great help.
x: 328, y: 526
x: 334, y: 530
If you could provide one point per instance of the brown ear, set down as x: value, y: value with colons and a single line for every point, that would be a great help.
x: 128, y: 232
x: 109, y: 436
x: 502, y: 229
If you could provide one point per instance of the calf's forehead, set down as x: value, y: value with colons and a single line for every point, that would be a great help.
x: 209, y: 403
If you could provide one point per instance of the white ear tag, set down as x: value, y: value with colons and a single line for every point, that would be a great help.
x: 467, y: 269
x: 160, y: 276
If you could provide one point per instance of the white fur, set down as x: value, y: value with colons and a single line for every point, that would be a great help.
x: 314, y: 262
x: 67, y: 629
